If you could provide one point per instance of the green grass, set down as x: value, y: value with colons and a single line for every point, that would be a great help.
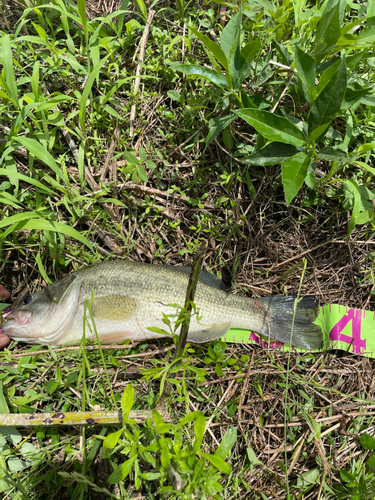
x: 254, y: 133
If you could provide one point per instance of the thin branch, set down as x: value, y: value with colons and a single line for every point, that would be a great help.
x: 139, y: 68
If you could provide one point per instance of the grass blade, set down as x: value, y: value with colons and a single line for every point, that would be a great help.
x: 87, y: 90
x: 7, y: 62
x: 36, y: 149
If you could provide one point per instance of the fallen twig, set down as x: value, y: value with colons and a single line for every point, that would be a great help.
x: 94, y: 348
x: 60, y: 418
x: 139, y: 69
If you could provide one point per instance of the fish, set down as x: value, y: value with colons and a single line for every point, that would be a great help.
x: 128, y: 298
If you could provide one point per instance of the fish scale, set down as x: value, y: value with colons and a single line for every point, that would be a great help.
x: 130, y: 297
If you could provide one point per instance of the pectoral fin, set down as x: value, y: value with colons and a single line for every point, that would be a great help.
x: 116, y: 337
x: 208, y: 333
x: 114, y: 307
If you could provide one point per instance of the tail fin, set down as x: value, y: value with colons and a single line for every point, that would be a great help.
x: 279, y: 319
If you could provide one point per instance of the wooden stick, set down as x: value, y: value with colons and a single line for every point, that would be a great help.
x: 76, y: 418
x: 112, y: 147
x: 139, y: 68
x: 94, y: 348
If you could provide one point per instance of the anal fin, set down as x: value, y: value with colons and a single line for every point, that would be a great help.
x: 208, y: 333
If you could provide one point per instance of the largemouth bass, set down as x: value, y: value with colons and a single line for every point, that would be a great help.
x: 131, y: 297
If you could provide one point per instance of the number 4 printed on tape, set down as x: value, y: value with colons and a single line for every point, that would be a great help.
x: 355, y: 317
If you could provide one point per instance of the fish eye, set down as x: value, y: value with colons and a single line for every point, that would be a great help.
x: 27, y: 299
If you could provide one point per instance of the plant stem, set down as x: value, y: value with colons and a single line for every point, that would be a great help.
x: 190, y: 293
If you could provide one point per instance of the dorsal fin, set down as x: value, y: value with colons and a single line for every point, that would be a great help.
x: 205, y: 277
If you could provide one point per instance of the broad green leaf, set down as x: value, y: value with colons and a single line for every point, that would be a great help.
x: 318, y: 132
x: 250, y: 50
x: 142, y: 154
x: 364, y: 217
x: 142, y: 173
x: 217, y: 125
x: 230, y: 41
x: 201, y: 71
x: 41, y: 32
x: 16, y: 464
x: 333, y: 154
x: 122, y: 471
x: 11, y: 434
x: 36, y: 149
x: 218, y: 462
x: 367, y: 442
x: 309, y: 477
x: 160, y: 426
x: 305, y: 65
x: 213, y: 47
x: 328, y: 72
x: 364, y: 148
x: 3, y: 402
x: 272, y: 154
x: 87, y: 90
x: 110, y: 442
x: 327, y: 32
x: 198, y: 469
x: 165, y: 456
x: 273, y: 127
x: 354, y: 97
x: 127, y: 401
x: 285, y: 56
x: 368, y: 101
x: 130, y: 158
x: 370, y: 13
x: 174, y: 95
x: 199, y: 429
x: 158, y: 419
x: 252, y: 457
x: 368, y: 34
x: 151, y: 476
x: 7, y: 62
x: 246, y: 101
x: 248, y: 53
x: 328, y: 103
x: 355, y: 190
x: 227, y: 443
x: 137, y: 475
x: 294, y: 171
x: 190, y: 417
